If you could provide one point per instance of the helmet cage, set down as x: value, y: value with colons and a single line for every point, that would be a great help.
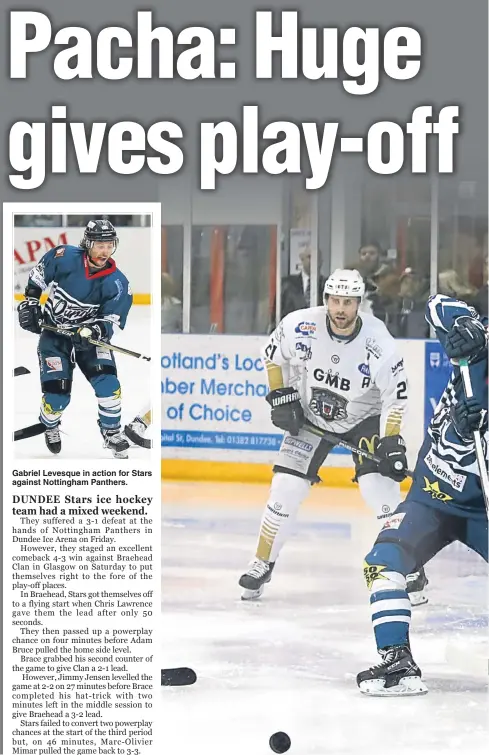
x: 99, y: 230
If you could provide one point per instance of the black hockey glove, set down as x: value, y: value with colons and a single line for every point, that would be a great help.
x: 467, y: 416
x: 466, y: 338
x: 392, y: 452
x: 95, y: 332
x: 30, y: 315
x: 287, y: 413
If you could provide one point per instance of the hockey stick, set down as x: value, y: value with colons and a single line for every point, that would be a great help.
x: 101, y: 344
x: 29, y: 432
x: 479, y: 452
x: 32, y: 430
x: 21, y: 371
x: 137, y: 439
x: 178, y: 677
x: 348, y: 446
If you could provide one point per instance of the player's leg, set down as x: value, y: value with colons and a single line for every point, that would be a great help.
x: 56, y: 372
x: 411, y: 536
x: 381, y: 494
x: 295, y: 470
x: 136, y: 429
x: 476, y: 536
x: 99, y: 367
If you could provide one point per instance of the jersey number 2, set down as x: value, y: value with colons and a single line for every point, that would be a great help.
x: 402, y: 390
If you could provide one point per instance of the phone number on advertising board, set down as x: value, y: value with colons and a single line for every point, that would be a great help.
x: 270, y: 441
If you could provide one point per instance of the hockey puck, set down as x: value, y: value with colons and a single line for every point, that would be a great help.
x: 178, y: 677
x: 279, y: 742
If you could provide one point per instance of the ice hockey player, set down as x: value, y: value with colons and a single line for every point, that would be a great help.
x: 88, y: 298
x: 135, y: 430
x: 445, y: 502
x: 337, y: 369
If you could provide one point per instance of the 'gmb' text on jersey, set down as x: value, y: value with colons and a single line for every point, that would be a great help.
x: 332, y: 379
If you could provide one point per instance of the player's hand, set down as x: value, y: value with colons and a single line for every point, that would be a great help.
x: 287, y: 412
x: 82, y: 337
x: 466, y: 338
x: 392, y: 452
x: 468, y: 416
x: 30, y: 315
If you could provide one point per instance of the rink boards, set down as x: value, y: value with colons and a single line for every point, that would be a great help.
x: 214, y: 412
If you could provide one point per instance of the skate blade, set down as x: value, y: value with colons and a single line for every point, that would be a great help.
x: 252, y: 594
x: 412, y: 685
x: 120, y: 454
x: 417, y: 598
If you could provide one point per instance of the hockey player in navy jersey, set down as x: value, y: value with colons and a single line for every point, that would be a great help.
x: 88, y: 298
x: 445, y: 502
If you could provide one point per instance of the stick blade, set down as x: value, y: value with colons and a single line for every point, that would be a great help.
x: 178, y: 677
x: 138, y: 440
x: 21, y: 371
x: 29, y: 432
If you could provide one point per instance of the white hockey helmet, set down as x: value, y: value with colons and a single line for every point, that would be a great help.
x: 347, y: 283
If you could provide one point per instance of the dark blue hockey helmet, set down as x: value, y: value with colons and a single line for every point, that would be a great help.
x: 99, y: 230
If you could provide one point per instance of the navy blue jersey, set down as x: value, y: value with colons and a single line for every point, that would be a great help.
x: 79, y: 295
x: 446, y: 474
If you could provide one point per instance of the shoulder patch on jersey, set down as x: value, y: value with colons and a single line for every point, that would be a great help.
x: 279, y: 332
x: 398, y: 367
x: 60, y: 252
x: 373, y: 348
x: 120, y: 288
x: 306, y: 328
x: 304, y: 352
x: 364, y: 369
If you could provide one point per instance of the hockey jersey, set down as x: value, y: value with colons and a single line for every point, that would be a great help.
x: 341, y: 381
x: 447, y: 474
x: 77, y: 295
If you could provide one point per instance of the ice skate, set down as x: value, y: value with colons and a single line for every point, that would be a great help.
x: 116, y: 442
x: 415, y: 584
x: 255, y: 579
x: 52, y: 437
x: 396, y: 676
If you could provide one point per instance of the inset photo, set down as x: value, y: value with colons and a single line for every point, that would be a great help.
x: 82, y: 320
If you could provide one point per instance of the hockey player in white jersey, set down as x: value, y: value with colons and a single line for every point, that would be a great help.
x: 333, y: 368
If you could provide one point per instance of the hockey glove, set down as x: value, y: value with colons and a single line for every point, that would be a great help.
x: 81, y: 339
x: 467, y: 338
x: 392, y: 452
x: 30, y: 315
x: 287, y: 413
x: 468, y: 416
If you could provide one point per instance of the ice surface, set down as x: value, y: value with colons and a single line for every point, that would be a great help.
x: 288, y: 663
x: 80, y: 433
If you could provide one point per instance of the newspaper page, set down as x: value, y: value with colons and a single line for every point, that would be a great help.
x: 81, y: 480
x: 324, y: 161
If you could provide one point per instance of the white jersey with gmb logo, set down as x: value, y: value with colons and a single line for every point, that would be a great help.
x: 341, y: 382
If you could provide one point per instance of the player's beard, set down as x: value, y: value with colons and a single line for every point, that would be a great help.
x: 344, y: 323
